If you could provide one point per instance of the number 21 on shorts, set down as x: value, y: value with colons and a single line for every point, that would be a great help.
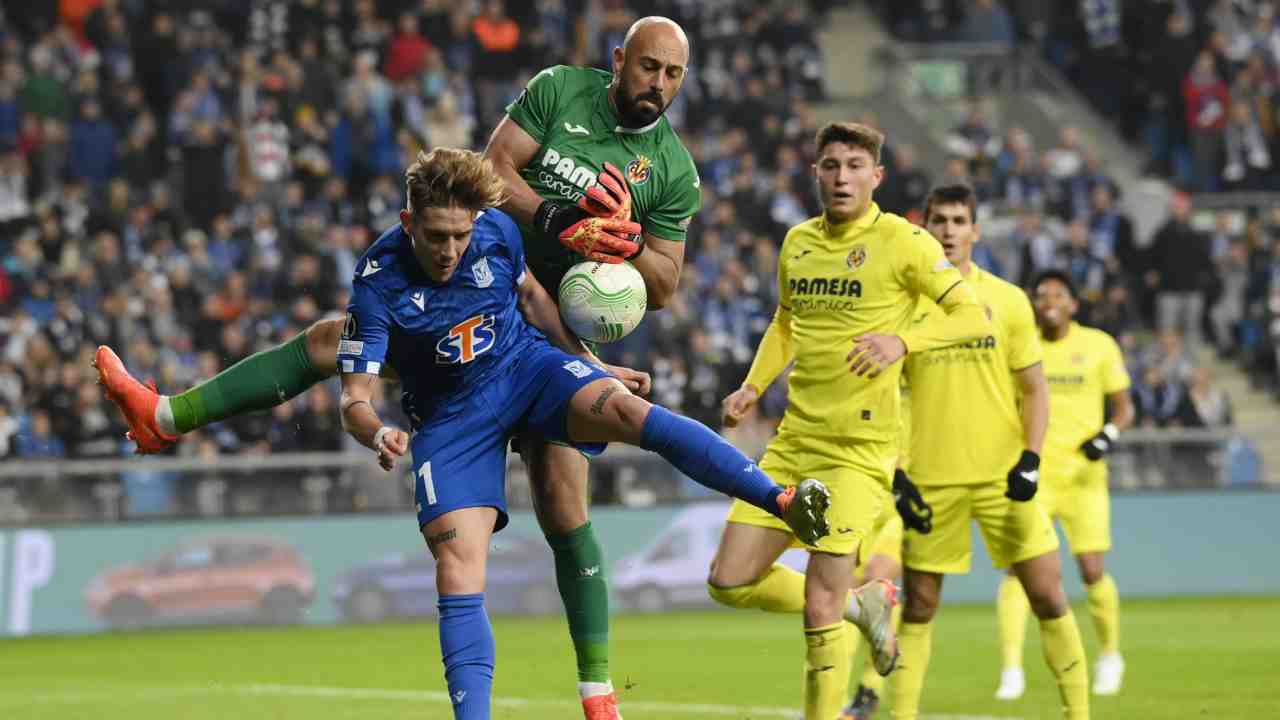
x: 428, y: 485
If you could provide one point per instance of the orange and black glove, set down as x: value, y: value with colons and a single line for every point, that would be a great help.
x: 599, y: 226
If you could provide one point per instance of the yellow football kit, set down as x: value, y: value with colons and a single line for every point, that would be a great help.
x: 1082, y: 368
x: 837, y: 282
x: 966, y: 433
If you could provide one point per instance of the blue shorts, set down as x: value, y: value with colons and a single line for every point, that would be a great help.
x: 460, y: 454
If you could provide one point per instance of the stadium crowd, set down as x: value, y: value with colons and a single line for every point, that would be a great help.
x: 192, y: 186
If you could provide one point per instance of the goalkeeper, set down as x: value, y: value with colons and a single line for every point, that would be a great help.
x: 554, y: 149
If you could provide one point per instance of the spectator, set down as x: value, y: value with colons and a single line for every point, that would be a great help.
x: 1203, y: 405
x: 407, y: 53
x: 905, y: 186
x: 1179, y: 271
x: 1111, y: 234
x: 93, y: 146
x: 986, y: 21
x: 38, y: 440
x: 1206, y: 98
x: 1088, y: 272
x: 1248, y: 157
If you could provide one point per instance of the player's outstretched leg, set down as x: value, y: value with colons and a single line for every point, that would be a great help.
x: 459, y: 541
x: 603, y: 411
x: 1012, y: 610
x: 259, y: 382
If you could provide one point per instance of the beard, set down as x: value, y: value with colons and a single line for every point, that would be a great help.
x: 633, y: 114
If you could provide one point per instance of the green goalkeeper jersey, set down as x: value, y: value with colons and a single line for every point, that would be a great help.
x: 567, y: 111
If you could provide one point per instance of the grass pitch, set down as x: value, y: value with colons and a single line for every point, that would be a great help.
x: 1186, y: 658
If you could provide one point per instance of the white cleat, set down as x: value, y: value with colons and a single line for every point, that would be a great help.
x: 1013, y: 682
x: 1108, y: 674
x: 874, y: 618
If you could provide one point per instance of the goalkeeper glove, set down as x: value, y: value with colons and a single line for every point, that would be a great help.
x: 916, y: 513
x: 1098, y: 445
x: 599, y: 227
x: 1024, y: 477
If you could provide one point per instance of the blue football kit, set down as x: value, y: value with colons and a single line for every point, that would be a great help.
x: 473, y: 371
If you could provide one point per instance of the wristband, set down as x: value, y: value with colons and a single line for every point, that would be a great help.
x: 379, y: 436
x: 1111, y: 431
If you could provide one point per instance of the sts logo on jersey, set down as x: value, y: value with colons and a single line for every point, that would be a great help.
x: 466, y: 341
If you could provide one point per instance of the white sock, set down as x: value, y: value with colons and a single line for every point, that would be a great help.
x: 592, y: 689
x: 164, y: 417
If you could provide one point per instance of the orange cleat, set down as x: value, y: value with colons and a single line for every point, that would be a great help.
x: 601, y: 707
x: 137, y: 402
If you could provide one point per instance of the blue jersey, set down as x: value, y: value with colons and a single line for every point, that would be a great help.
x: 440, y: 337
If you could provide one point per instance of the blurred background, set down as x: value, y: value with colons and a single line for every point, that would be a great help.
x: 191, y: 182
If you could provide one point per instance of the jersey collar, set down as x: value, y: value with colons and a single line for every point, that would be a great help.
x: 867, y: 219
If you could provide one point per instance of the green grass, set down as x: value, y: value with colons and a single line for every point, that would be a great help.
x: 1186, y: 658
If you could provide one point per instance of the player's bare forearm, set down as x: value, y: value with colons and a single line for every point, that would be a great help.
x: 1035, y: 406
x: 541, y: 312
x: 1121, y: 406
x: 660, y: 264
x: 510, y: 149
x: 359, y: 418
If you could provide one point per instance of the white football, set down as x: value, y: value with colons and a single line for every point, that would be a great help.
x: 602, y: 302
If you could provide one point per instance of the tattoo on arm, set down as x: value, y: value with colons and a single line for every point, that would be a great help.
x: 443, y: 537
x: 354, y: 403
x: 597, y: 407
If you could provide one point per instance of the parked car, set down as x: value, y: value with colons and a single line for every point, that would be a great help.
x: 520, y: 578
x: 672, y: 570
x: 230, y: 578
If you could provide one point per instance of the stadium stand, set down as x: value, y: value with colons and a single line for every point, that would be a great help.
x: 193, y: 185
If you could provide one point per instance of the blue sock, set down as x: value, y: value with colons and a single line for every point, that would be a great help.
x: 706, y: 457
x: 466, y: 646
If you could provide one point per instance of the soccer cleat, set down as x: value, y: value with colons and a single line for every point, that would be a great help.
x: 137, y: 402
x: 876, y: 601
x: 1013, y: 682
x: 864, y: 704
x: 804, y: 510
x: 1107, y: 674
x: 601, y: 707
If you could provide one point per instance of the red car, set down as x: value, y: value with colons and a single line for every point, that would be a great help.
x: 231, y: 578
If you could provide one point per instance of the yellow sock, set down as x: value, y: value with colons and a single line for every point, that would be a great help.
x: 826, y: 670
x: 1012, y: 610
x: 1064, y: 652
x: 1104, y: 606
x: 871, y: 679
x: 780, y: 590
x: 914, y: 644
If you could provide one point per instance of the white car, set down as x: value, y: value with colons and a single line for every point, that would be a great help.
x: 672, y: 570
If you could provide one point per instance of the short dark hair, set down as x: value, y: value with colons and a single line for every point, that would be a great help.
x: 851, y: 133
x: 1055, y: 274
x: 955, y: 193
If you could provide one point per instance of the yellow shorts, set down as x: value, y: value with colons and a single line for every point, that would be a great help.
x: 886, y: 538
x: 857, y: 472
x: 1012, y: 531
x: 1081, y: 502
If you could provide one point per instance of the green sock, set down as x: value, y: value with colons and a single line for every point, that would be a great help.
x: 258, y: 382
x: 580, y: 575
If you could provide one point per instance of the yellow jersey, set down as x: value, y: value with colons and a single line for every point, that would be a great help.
x: 966, y: 424
x: 837, y: 282
x: 1082, y: 368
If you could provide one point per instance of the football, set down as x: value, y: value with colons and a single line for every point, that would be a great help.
x: 601, y: 302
